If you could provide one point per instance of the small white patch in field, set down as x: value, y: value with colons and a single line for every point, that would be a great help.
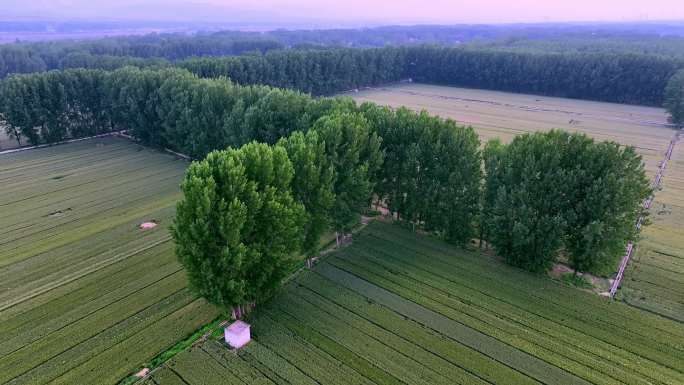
x: 237, y: 334
x: 144, y: 372
x: 148, y: 225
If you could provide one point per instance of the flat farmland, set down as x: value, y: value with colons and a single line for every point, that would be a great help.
x: 654, y: 280
x: 655, y: 277
x: 499, y: 114
x: 399, y: 308
x: 85, y: 295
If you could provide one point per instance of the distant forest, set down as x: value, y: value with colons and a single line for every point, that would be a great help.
x: 616, y: 63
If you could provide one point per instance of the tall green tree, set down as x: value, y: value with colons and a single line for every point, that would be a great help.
x: 674, y: 98
x: 355, y: 155
x: 607, y: 186
x: 432, y: 171
x: 17, y: 111
x: 312, y: 184
x: 134, y: 96
x: 492, y: 157
x: 564, y: 192
x: 238, y: 224
x: 527, y: 221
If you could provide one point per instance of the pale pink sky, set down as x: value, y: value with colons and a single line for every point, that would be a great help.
x: 379, y: 11
x: 483, y: 10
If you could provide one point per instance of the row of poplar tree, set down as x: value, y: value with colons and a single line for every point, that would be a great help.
x: 298, y: 166
x: 619, y: 78
x: 612, y: 77
x: 247, y: 212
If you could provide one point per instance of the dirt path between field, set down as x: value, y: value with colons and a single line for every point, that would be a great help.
x: 647, y: 205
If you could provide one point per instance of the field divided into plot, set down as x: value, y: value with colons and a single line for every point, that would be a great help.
x: 398, y: 308
x: 655, y: 276
x: 503, y: 115
x: 85, y: 296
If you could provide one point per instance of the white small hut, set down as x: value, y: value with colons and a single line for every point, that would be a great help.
x: 237, y: 334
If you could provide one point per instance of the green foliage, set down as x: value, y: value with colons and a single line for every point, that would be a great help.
x: 52, y: 106
x: 674, y: 98
x: 312, y: 184
x: 492, y: 157
x: 355, y: 155
x: 614, y: 77
x: 619, y: 78
x: 432, y: 171
x: 320, y: 72
x: 527, y: 224
x: 162, y: 108
x: 550, y: 191
x: 575, y: 280
x: 607, y: 185
x: 238, y: 224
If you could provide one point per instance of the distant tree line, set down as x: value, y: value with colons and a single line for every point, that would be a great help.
x: 319, y: 72
x: 647, y: 39
x: 117, y: 52
x: 296, y: 166
x: 633, y: 79
x: 164, y: 108
x: 612, y: 77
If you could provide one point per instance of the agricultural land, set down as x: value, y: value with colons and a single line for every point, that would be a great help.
x: 395, y: 307
x: 654, y: 279
x: 85, y: 295
x: 503, y: 115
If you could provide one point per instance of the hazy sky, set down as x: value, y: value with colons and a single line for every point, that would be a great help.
x: 376, y: 11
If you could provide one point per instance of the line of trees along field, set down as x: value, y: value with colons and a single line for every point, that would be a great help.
x: 298, y: 166
x: 131, y: 50
x: 620, y: 78
x: 23, y: 57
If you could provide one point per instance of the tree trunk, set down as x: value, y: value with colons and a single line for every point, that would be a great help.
x: 337, y: 238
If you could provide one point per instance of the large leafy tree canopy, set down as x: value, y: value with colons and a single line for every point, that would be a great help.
x: 432, y: 170
x: 552, y: 192
x: 238, y: 224
x: 314, y: 178
x: 354, y: 152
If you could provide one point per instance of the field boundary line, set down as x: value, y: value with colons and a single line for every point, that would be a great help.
x: 83, y: 272
x: 657, y: 181
x: 21, y: 149
x: 506, y: 354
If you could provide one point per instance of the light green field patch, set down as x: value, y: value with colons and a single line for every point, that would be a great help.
x: 85, y: 295
x: 395, y: 307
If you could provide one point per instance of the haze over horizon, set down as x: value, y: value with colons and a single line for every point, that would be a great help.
x: 349, y: 12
